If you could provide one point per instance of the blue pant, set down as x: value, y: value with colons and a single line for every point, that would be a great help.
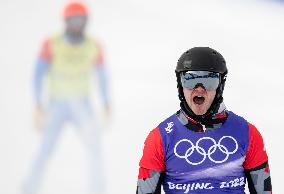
x: 78, y: 111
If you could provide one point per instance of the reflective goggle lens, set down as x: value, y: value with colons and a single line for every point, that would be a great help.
x: 209, y: 80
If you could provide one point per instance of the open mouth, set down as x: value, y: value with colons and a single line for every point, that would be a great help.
x: 198, y: 100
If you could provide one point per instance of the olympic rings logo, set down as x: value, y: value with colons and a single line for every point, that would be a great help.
x: 207, y: 153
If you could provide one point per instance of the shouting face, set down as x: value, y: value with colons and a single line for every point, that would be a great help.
x: 199, y: 99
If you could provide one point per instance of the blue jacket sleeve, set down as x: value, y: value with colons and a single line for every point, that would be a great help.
x: 40, y: 71
x: 103, y: 83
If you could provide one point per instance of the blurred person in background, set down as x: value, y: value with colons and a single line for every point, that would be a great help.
x: 64, y: 69
x: 203, y: 147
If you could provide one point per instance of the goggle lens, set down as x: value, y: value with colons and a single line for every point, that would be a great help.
x: 209, y: 80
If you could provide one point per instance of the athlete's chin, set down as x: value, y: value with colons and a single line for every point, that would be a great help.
x: 199, y: 109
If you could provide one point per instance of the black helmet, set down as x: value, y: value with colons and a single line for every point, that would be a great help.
x: 202, y: 59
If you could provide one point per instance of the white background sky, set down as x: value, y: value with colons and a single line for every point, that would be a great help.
x: 142, y: 42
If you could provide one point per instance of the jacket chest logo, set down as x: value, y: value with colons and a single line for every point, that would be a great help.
x: 206, y: 147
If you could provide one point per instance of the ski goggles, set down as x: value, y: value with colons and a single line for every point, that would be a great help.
x: 76, y: 20
x: 191, y: 79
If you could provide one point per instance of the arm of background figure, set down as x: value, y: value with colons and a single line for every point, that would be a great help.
x: 152, y: 165
x: 100, y: 72
x: 41, y: 67
x: 256, y: 164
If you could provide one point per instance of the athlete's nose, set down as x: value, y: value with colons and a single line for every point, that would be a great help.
x: 199, y: 87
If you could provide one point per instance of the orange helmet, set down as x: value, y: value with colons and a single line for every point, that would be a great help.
x: 75, y: 8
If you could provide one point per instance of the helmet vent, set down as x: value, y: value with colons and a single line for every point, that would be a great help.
x: 187, y: 64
